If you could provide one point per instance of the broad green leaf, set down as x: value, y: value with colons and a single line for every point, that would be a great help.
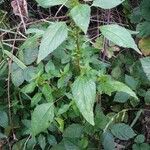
x: 84, y: 92
x: 1, y: 1
x: 100, y: 119
x: 107, y: 86
x: 63, y: 81
x: 30, y: 73
x: 19, y: 144
x: 63, y: 109
x: 119, y: 86
x: 36, y: 98
x: 41, y: 118
x: 51, y: 139
x: 59, y: 146
x: 51, y: 69
x: 36, y: 31
x: 30, y: 55
x: 142, y: 146
x: 29, y: 88
x: 144, y: 29
x: 2, y: 136
x: 135, y: 16
x: 119, y: 35
x: 42, y: 141
x: 131, y: 82
x: 73, y: 131
x: 122, y: 131
x: 138, y: 72
x: 140, y: 139
x: 108, y: 141
x: 81, y: 16
x: 55, y: 35
x: 17, y: 75
x: 31, y: 143
x: 27, y: 128
x: 47, y: 92
x: 121, y: 97
x: 61, y: 54
x: 15, y: 59
x: 71, y: 144
x: 3, y: 119
x: 49, y: 3
x: 107, y: 4
x: 31, y: 42
x: 146, y: 66
x: 145, y: 7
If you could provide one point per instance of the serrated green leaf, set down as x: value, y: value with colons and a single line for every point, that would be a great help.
x: 122, y: 131
x: 84, y: 92
x: 49, y: 3
x: 81, y: 16
x: 41, y: 118
x: 119, y: 35
x: 54, y: 36
x: 107, y: 4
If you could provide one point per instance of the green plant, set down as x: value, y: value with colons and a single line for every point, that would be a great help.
x: 62, y: 89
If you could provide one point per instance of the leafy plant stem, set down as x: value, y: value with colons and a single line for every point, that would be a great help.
x: 78, y: 50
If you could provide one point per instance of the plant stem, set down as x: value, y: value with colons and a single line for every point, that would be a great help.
x: 78, y: 50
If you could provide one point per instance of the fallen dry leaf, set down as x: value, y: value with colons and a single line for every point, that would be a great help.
x: 144, y: 45
x: 20, y: 8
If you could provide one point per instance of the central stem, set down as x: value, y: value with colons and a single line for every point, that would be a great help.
x: 78, y: 50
